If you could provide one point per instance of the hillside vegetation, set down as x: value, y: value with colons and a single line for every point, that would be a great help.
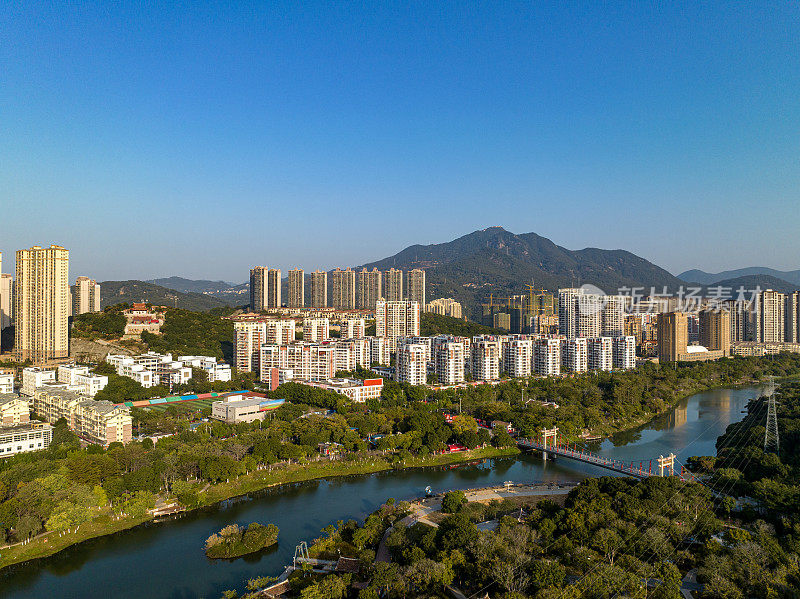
x: 436, y: 324
x: 116, y: 292
x: 497, y: 261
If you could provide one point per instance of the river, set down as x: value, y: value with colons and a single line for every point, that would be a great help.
x: 166, y: 559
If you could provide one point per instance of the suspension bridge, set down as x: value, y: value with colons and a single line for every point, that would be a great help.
x: 550, y: 445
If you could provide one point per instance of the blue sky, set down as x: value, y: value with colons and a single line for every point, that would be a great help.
x: 200, y: 140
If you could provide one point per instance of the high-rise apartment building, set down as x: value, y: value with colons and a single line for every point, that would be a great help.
x: 715, y: 330
x: 412, y: 367
x: 258, y: 288
x: 613, y: 316
x: 624, y: 352
x: 297, y: 291
x: 486, y: 358
x: 396, y: 319
x: 771, y: 310
x: 600, y: 352
x: 547, y: 356
x: 248, y: 337
x: 369, y: 288
x: 393, y: 285
x: 41, y: 310
x: 85, y: 296
x: 280, y: 331
x: 449, y: 361
x: 6, y: 301
x: 274, y: 288
x: 416, y: 286
x: 445, y: 306
x: 575, y: 354
x: 673, y: 336
x: 518, y: 357
x: 344, y: 289
x: 318, y: 289
x: 316, y: 329
x: 353, y: 328
x: 792, y: 317
x: 568, y: 312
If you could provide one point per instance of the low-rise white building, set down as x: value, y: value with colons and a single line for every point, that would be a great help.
x: 356, y: 390
x: 33, y: 377
x: 22, y: 438
x: 6, y: 381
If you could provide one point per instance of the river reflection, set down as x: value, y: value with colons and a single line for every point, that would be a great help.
x: 166, y: 560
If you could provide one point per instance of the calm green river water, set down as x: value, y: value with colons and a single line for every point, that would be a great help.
x: 166, y: 560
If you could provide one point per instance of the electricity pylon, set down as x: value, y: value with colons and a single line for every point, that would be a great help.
x: 771, y: 438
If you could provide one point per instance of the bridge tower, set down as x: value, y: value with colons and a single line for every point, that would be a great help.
x: 547, y: 434
x: 771, y: 438
x: 666, y: 463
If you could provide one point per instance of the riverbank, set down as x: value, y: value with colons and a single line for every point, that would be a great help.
x: 51, y: 543
x: 260, y: 480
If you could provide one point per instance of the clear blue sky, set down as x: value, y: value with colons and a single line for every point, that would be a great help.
x: 200, y: 140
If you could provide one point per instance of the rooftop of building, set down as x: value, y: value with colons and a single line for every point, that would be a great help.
x: 28, y: 426
x: 9, y: 397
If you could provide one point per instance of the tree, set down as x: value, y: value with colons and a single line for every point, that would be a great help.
x: 452, y: 501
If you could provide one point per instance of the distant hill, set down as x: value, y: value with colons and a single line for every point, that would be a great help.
x: 190, y: 285
x: 497, y: 261
x: 116, y: 292
x: 707, y: 278
x: 750, y: 282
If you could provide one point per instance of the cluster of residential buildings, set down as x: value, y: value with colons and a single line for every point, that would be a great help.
x: 268, y: 345
x: 445, y: 306
x: 488, y: 357
x: 152, y: 368
x: 63, y: 392
x: 349, y: 289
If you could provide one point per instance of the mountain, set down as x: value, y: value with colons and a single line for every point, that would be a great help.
x: 707, y: 278
x: 499, y: 262
x: 117, y: 292
x: 749, y: 283
x: 191, y: 286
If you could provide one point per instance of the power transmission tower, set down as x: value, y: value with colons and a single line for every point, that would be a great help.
x: 771, y: 439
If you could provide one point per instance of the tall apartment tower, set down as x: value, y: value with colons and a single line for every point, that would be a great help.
x: 791, y: 315
x: 673, y: 336
x: 248, y: 337
x: 393, y: 285
x: 715, y: 330
x: 297, y: 291
x: 568, y: 312
x: 6, y: 287
x: 274, y: 288
x: 396, y: 319
x: 85, y: 296
x: 613, y: 316
x: 771, y: 308
x: 416, y: 286
x: 318, y: 289
x: 369, y: 288
x: 258, y: 288
x: 41, y: 304
x: 344, y: 289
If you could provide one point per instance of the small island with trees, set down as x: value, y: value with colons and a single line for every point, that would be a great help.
x: 235, y: 541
